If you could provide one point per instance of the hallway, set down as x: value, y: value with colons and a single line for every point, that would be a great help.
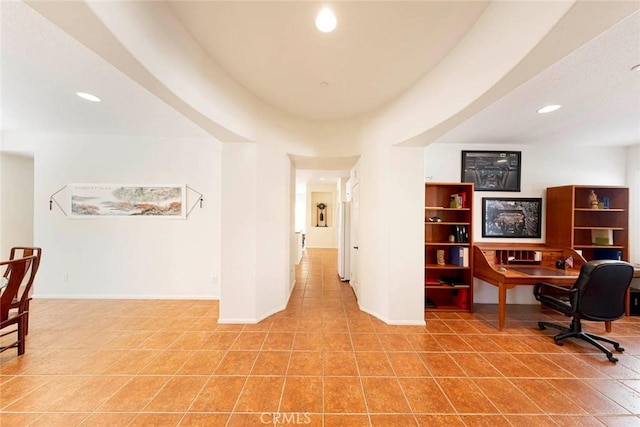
x: 319, y: 362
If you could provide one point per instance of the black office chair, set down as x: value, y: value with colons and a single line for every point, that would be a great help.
x: 599, y: 294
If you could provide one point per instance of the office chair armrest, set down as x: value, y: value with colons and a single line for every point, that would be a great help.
x: 558, y: 289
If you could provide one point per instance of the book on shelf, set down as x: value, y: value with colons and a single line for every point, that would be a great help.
x: 602, y: 237
x: 459, y: 255
x: 460, y: 298
x: 607, y: 254
x: 460, y: 233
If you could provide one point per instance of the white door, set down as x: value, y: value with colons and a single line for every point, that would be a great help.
x: 355, y: 217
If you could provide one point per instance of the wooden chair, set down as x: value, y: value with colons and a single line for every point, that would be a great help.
x: 19, y: 303
x: 16, y: 269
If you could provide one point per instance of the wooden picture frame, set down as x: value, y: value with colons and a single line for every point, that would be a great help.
x: 504, y: 217
x: 492, y: 170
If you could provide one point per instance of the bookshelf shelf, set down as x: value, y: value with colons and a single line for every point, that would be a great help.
x: 447, y: 244
x: 455, y: 223
x: 442, y: 208
x: 445, y: 267
x: 599, y: 246
x: 598, y: 228
x: 447, y: 223
x: 603, y: 211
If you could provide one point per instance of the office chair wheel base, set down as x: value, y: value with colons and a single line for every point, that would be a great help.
x: 557, y: 341
x: 611, y: 358
x: 618, y: 348
x: 541, y: 326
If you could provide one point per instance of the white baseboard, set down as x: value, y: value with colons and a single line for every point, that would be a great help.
x: 111, y: 296
x: 394, y: 322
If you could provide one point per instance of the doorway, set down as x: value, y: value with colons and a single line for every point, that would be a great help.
x: 355, y: 216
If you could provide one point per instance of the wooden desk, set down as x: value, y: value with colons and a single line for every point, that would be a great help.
x: 524, y: 264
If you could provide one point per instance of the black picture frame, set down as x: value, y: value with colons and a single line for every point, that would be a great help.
x: 492, y: 170
x: 511, y: 217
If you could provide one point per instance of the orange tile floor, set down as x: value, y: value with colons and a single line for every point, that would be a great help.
x: 319, y: 362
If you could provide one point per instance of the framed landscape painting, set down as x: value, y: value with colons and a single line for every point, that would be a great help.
x: 117, y: 200
x: 511, y: 217
x: 492, y: 170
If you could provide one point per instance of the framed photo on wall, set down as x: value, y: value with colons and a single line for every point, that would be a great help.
x: 511, y: 217
x: 492, y: 170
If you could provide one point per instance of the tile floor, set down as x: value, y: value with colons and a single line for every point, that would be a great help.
x: 319, y: 362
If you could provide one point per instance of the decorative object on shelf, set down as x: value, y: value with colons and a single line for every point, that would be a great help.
x: 492, y: 170
x: 593, y: 200
x: 458, y: 200
x: 435, y: 219
x: 125, y: 200
x: 452, y: 238
x: 511, y: 217
x: 322, y: 216
x: 440, y: 256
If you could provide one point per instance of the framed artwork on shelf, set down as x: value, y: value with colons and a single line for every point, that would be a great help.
x: 118, y: 200
x: 511, y: 217
x: 492, y: 170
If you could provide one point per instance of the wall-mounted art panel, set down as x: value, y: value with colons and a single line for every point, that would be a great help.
x: 116, y: 200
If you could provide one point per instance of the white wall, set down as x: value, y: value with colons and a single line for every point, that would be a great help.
x: 542, y: 167
x: 16, y: 202
x: 239, y: 232
x: 405, y: 191
x: 274, y: 262
x: 256, y: 232
x: 125, y: 257
x: 301, y: 211
x: 391, y: 233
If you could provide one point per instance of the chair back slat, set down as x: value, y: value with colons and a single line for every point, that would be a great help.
x: 16, y: 270
x: 21, y: 301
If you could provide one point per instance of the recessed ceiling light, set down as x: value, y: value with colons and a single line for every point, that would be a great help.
x: 88, y: 97
x: 326, y: 20
x: 549, y: 108
x: 321, y: 179
x: 324, y: 84
x: 635, y: 68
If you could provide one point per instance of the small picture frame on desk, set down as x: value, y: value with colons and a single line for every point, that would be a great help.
x: 505, y: 217
x: 492, y: 170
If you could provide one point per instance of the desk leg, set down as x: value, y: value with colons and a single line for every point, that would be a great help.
x: 502, y: 304
x: 607, y: 326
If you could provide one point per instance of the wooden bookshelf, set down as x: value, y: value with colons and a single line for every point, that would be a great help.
x: 448, y: 286
x: 570, y: 221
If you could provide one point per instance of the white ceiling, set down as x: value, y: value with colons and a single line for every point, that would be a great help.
x: 598, y: 91
x: 377, y: 52
x: 43, y: 68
